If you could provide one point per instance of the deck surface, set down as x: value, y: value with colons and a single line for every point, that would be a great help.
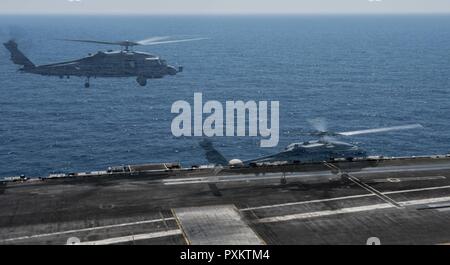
x: 399, y: 202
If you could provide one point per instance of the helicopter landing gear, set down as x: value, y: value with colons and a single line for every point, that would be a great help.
x: 142, y: 81
x: 87, y: 84
x: 283, y: 180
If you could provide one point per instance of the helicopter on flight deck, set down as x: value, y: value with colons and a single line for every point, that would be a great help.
x: 326, y: 148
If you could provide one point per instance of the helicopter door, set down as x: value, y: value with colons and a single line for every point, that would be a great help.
x: 129, y: 66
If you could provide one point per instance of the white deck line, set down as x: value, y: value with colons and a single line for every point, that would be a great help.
x: 301, y: 216
x: 342, y: 198
x: 125, y: 239
x: 86, y: 229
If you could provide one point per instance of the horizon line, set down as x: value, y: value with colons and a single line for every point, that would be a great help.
x: 223, y: 13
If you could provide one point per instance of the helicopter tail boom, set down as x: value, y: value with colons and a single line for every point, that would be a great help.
x: 17, y: 56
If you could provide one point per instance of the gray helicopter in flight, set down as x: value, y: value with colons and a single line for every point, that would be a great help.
x: 326, y: 148
x: 122, y: 63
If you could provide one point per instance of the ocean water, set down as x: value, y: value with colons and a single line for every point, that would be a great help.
x: 357, y: 72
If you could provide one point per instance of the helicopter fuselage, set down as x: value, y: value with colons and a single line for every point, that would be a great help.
x: 312, y: 151
x: 124, y: 63
x: 109, y: 64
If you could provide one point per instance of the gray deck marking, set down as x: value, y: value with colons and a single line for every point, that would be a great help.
x: 240, y: 178
x: 216, y: 225
x: 363, y: 185
x: 372, y: 190
x: 439, y: 206
x: 85, y: 230
x: 164, y: 220
x: 342, y: 198
x: 273, y: 176
x: 406, y: 179
x: 358, y: 209
x: 132, y: 238
x: 417, y: 190
x: 179, y: 227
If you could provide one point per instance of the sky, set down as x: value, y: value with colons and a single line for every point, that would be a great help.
x: 209, y: 7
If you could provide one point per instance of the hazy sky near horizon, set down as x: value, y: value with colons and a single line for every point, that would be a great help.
x: 223, y: 6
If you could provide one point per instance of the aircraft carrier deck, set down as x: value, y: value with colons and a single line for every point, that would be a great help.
x: 393, y: 200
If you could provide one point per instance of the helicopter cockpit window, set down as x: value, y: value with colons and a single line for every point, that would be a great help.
x: 151, y: 61
x: 292, y: 147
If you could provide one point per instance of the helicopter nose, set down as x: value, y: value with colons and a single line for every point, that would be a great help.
x: 172, y: 70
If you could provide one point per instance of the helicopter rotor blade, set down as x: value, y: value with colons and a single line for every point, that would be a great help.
x: 152, y: 39
x: 148, y: 43
x: 379, y: 130
x: 100, y: 42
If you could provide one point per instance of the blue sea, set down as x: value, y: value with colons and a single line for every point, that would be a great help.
x: 357, y: 72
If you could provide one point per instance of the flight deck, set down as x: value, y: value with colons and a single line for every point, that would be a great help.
x: 384, y: 200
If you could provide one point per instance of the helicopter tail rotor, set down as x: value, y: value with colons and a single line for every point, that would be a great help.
x: 321, y: 128
x: 320, y: 124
